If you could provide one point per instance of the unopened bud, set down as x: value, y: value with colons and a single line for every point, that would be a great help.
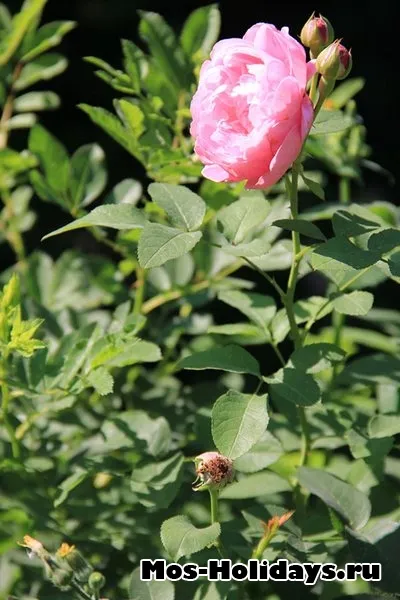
x: 334, y: 62
x: 317, y: 34
x: 213, y: 470
x: 74, y: 559
x: 96, y: 581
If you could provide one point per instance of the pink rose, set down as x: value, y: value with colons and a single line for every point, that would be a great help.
x: 250, y: 111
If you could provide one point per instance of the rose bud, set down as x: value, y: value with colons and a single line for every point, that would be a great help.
x: 334, y: 62
x: 213, y: 470
x: 317, y: 34
x: 251, y: 113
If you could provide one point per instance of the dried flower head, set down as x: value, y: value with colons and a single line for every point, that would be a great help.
x: 212, y: 470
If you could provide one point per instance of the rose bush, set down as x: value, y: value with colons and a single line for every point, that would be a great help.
x: 251, y: 114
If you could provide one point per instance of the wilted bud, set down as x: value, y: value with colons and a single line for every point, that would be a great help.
x: 317, y: 34
x: 96, y: 581
x: 74, y: 559
x: 213, y: 470
x: 35, y: 547
x: 62, y: 578
x: 334, y: 62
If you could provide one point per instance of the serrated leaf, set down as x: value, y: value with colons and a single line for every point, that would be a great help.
x: 159, y: 244
x: 264, y: 453
x: 330, y: 121
x: 294, y: 385
x: 376, y: 368
x: 48, y: 36
x: 226, y: 358
x: 53, y: 158
x: 88, y: 174
x: 238, y: 421
x: 36, y: 101
x: 30, y: 11
x: 156, y: 484
x: 351, y: 224
x: 185, y: 209
x: 303, y: 227
x: 164, y: 47
x: 258, y: 308
x: 201, y: 30
x: 115, y: 216
x: 256, y: 485
x: 69, y: 484
x: 132, y: 58
x: 350, y: 503
x: 180, y: 538
x: 111, y: 125
x: 42, y: 68
x: 241, y: 217
x: 101, y: 380
x: 150, y: 590
x: 356, y: 303
x: 315, y: 187
x: 317, y: 357
x: 133, y: 118
x: 384, y: 241
x: 381, y: 426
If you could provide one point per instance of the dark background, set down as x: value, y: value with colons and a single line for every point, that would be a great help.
x: 370, y: 28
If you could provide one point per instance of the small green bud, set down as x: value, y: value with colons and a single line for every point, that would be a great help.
x: 335, y: 62
x: 96, y: 581
x: 213, y: 470
x: 74, y: 559
x: 317, y: 34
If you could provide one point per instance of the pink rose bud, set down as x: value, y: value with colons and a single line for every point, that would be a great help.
x: 251, y: 113
x: 317, y: 34
x: 213, y: 470
x: 334, y: 62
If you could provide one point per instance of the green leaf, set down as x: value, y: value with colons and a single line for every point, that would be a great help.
x: 384, y: 241
x: 240, y: 217
x: 382, y: 426
x: 69, y: 484
x: 258, y: 308
x: 133, y: 118
x: 264, y: 453
x: 101, y: 380
x: 48, y: 36
x: 339, y: 259
x: 118, y: 216
x: 379, y: 543
x: 132, y: 58
x: 256, y: 485
x: 156, y: 484
x: 350, y: 503
x: 52, y: 156
x: 294, y: 385
x: 150, y: 590
x: 36, y: 101
x: 238, y: 421
x: 42, y: 68
x: 201, y: 30
x: 135, y: 429
x: 330, y: 121
x: 88, y: 174
x: 346, y: 91
x: 226, y: 358
x: 113, y: 351
x: 30, y: 12
x: 185, y: 209
x: 180, y: 538
x: 255, y: 249
x: 164, y: 47
x: 159, y: 243
x: 127, y: 191
x: 317, y: 357
x: 350, y: 224
x: 303, y: 227
x: 111, y: 125
x: 355, y: 304
x: 377, y: 368
x: 315, y: 187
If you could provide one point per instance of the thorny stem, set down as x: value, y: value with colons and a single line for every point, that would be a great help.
x: 5, y: 401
